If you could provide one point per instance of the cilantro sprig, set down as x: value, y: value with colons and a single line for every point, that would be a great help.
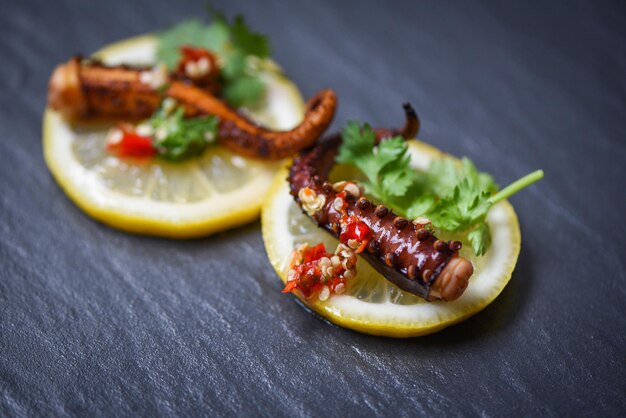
x: 238, y: 47
x: 178, y: 138
x: 455, y: 197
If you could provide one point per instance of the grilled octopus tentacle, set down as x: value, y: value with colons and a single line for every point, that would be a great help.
x: 82, y: 89
x: 406, y: 253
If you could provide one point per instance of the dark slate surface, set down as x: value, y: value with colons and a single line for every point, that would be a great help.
x: 97, y: 322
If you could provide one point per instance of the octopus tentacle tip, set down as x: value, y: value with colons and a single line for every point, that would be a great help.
x: 412, y: 123
x: 453, y: 280
x: 408, y: 109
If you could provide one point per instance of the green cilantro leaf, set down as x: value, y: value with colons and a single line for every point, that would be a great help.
x: 178, y: 138
x: 420, y: 205
x: 459, y: 211
x: 455, y: 196
x: 480, y: 238
x: 235, y: 66
x: 248, y: 42
x: 386, y: 166
x: 244, y: 90
x: 191, y: 32
x: 357, y: 146
x: 444, y: 174
x: 238, y: 48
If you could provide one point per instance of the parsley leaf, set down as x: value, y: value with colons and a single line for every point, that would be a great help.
x: 455, y: 196
x: 178, y: 138
x: 480, y: 238
x: 244, y: 90
x: 248, y: 42
x: 460, y: 210
x: 191, y: 32
x: 239, y: 50
x: 386, y: 166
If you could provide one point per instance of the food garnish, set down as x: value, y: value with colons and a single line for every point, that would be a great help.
x: 167, y: 134
x: 314, y: 271
x: 240, y: 52
x: 453, y: 197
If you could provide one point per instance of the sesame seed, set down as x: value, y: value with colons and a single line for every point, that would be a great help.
x: 144, y: 130
x: 325, y: 262
x: 311, y: 202
x: 339, y: 186
x: 145, y: 77
x: 156, y: 77
x: 353, y: 189
x: 421, y: 220
x: 191, y: 69
x: 338, y: 204
x: 203, y: 66
x: 115, y: 137
x: 306, y: 195
x: 161, y: 133
x: 168, y: 105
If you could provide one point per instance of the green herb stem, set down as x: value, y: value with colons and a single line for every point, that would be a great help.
x: 516, y: 186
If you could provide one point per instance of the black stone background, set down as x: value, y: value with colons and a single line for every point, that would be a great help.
x: 97, y: 322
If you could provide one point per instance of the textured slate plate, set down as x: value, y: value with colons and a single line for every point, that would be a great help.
x: 97, y: 322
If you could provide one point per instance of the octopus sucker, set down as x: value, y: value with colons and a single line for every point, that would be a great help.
x: 407, y: 253
x: 86, y: 89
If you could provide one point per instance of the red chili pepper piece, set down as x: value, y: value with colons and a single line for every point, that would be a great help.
x: 307, y: 275
x: 314, y: 253
x: 290, y: 286
x: 355, y: 230
x: 194, y: 54
x: 133, y: 145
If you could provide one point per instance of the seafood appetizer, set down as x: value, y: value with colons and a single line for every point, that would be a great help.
x: 424, y: 225
x: 83, y: 89
x: 179, y: 133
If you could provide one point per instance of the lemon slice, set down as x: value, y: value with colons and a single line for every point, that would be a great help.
x: 213, y: 192
x: 373, y: 305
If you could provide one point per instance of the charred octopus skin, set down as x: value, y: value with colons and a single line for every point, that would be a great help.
x: 405, y: 252
x: 87, y: 89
